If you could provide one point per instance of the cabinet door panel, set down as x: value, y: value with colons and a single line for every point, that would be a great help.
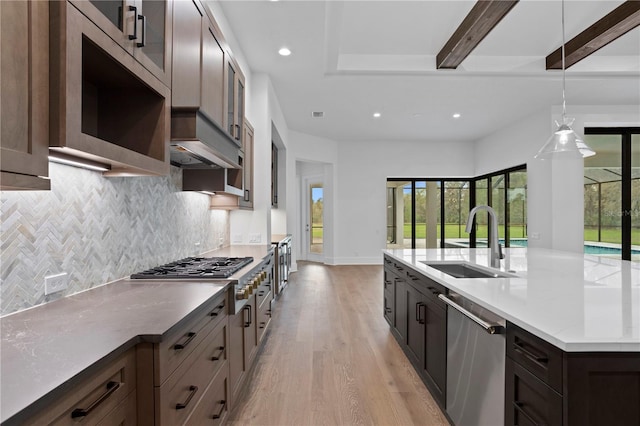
x: 236, y: 350
x: 436, y: 347
x: 212, y: 76
x: 415, y: 326
x: 187, y: 31
x: 401, y: 308
x: 24, y: 84
x: 116, y: 18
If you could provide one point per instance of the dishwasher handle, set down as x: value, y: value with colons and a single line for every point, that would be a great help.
x: 488, y: 327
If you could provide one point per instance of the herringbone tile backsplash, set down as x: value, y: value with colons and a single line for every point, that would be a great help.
x: 98, y: 230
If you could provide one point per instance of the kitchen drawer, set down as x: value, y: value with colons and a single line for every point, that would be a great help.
x: 96, y: 396
x: 125, y: 414
x: 179, y: 395
x: 214, y: 406
x: 263, y: 319
x: 528, y: 401
x: 427, y: 287
x: 178, y: 344
x: 542, y: 359
x: 263, y: 293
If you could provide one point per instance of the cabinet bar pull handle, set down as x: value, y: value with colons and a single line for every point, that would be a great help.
x: 193, y: 390
x: 520, y: 407
x: 237, y: 126
x: 217, y: 310
x: 144, y: 30
x: 488, y: 327
x: 219, y: 414
x: 217, y: 357
x: 246, y: 195
x: 135, y: 23
x: 248, y: 309
x: 190, y: 337
x: 262, y: 324
x: 82, y: 412
x: 519, y: 348
x: 421, y: 320
x: 417, y: 312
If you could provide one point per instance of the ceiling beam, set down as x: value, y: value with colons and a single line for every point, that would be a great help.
x: 618, y: 22
x: 482, y: 18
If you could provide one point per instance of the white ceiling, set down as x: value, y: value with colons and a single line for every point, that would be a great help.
x: 353, y: 58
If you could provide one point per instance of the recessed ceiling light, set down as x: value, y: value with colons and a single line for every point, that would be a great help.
x: 284, y: 51
x: 457, y: 115
x: 416, y: 115
x: 376, y: 115
x: 317, y: 114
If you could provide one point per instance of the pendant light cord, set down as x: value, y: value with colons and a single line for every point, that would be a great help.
x: 564, y: 102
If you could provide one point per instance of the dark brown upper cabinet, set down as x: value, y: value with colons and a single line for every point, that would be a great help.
x: 108, y: 103
x: 141, y: 27
x: 206, y: 79
x: 24, y: 122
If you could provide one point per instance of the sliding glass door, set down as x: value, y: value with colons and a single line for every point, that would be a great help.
x: 612, y: 193
x: 432, y: 213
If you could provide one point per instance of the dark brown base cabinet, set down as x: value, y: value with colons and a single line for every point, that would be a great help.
x: 419, y: 324
x: 546, y: 386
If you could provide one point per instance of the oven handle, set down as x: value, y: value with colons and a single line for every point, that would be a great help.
x: 488, y: 327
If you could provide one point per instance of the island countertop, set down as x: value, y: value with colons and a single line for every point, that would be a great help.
x: 579, y: 303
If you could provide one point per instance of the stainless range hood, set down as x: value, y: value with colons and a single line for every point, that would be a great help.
x: 199, y: 143
x: 211, y: 160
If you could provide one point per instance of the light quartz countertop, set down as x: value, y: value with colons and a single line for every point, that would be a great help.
x: 579, y: 303
x: 46, y: 350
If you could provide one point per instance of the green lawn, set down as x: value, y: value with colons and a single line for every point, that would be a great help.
x: 611, y: 235
x: 452, y: 230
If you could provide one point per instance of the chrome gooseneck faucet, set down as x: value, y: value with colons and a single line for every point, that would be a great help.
x: 496, y: 249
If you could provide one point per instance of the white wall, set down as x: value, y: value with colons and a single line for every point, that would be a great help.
x: 363, y: 169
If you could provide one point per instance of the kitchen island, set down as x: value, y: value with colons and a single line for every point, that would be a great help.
x: 572, y: 342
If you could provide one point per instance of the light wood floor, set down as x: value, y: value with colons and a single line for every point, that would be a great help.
x: 330, y: 358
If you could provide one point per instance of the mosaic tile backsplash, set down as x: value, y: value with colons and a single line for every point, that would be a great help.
x: 98, y: 230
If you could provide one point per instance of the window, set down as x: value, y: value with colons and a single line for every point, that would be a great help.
x: 431, y: 213
x: 612, y: 193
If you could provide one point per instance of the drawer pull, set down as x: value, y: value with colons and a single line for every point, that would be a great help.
x: 217, y: 357
x: 219, y: 414
x: 190, y: 336
x: 533, y: 357
x: 250, y: 320
x: 520, y: 407
x: 261, y: 293
x: 193, y: 390
x: 218, y: 310
x: 262, y: 324
x: 82, y: 412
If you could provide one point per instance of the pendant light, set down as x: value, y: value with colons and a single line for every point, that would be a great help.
x: 564, y: 140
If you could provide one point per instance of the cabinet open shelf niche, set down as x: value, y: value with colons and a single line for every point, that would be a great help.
x: 117, y: 107
x: 106, y: 106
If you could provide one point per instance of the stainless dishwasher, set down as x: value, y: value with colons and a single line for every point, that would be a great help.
x: 475, y: 363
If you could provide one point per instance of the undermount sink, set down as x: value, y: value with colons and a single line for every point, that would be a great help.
x: 466, y: 270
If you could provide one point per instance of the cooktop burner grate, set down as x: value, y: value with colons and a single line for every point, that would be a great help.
x: 196, y: 267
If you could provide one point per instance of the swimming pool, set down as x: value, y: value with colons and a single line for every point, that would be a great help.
x: 589, y: 248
